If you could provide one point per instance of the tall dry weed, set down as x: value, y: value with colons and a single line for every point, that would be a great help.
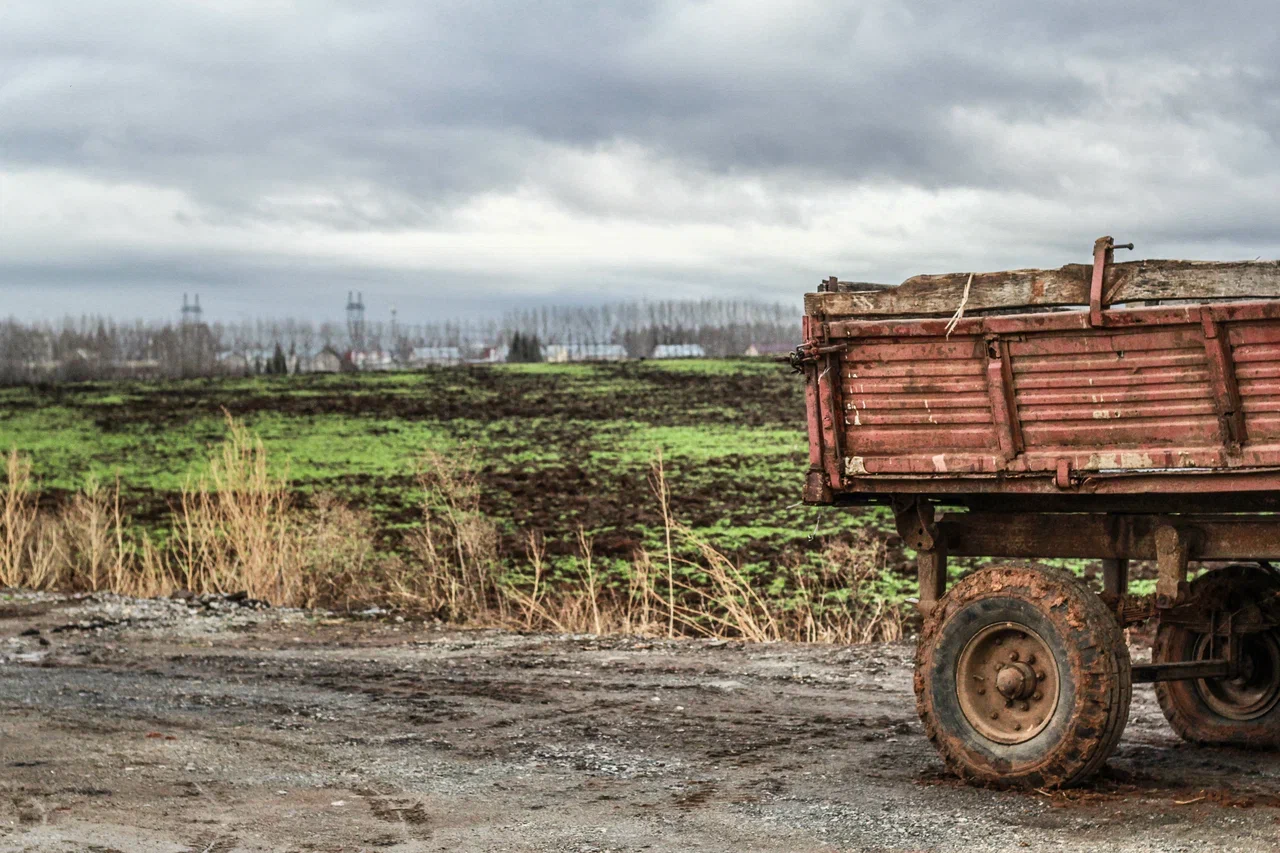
x: 19, y: 515
x: 457, y: 545
x: 341, y: 563
x: 235, y: 528
x: 93, y: 531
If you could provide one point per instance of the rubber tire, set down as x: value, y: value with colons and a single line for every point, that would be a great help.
x: 1188, y: 715
x: 1093, y: 665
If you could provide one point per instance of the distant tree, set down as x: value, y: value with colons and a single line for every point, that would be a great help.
x: 279, y: 364
x: 524, y: 349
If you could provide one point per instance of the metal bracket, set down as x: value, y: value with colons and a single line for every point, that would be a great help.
x: 915, y: 522
x: 1103, y: 255
x: 1062, y: 477
x: 914, y: 519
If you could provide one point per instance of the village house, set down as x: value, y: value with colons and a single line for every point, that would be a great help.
x: 679, y: 351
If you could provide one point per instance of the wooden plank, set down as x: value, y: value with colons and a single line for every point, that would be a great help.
x: 1131, y: 281
x: 923, y: 295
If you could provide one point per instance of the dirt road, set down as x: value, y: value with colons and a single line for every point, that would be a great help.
x: 166, y: 726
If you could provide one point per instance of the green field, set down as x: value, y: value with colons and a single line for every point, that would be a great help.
x: 556, y: 447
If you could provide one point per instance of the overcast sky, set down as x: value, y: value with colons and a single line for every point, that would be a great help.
x: 457, y: 157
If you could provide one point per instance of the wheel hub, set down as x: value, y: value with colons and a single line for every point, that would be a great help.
x: 1007, y: 683
x: 1016, y: 681
x: 1255, y: 690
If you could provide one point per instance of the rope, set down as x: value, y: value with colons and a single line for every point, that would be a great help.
x: 964, y: 300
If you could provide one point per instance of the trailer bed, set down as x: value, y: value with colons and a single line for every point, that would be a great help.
x: 1036, y: 396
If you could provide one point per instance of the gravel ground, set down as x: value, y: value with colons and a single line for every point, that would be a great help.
x: 212, y: 725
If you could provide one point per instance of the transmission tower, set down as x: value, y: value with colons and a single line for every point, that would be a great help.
x: 355, y: 319
x: 190, y: 311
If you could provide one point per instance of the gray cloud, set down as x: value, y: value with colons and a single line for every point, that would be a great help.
x: 399, y: 125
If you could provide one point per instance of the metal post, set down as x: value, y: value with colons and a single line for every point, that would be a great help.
x: 1115, y: 576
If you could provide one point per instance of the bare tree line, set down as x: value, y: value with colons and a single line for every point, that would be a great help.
x: 95, y: 347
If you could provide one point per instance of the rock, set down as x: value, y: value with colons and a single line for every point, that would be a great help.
x: 726, y: 686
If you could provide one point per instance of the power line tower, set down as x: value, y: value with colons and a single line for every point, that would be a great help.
x: 191, y: 311
x: 355, y: 319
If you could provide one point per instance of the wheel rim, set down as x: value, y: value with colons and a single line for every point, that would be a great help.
x: 1007, y: 683
x: 1255, y: 691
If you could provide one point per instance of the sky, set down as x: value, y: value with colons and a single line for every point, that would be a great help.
x: 463, y: 158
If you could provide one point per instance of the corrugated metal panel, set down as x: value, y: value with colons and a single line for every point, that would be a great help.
x: 904, y: 398
x: 1255, y: 349
x: 1114, y: 391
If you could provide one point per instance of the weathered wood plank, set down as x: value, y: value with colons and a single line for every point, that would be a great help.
x: 1132, y: 281
x: 1136, y: 280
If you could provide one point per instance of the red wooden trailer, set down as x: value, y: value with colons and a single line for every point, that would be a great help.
x: 1109, y: 411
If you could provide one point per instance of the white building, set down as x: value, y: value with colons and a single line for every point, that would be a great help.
x: 325, y: 361
x: 372, y: 360
x: 679, y: 351
x: 560, y: 353
x: 436, y: 355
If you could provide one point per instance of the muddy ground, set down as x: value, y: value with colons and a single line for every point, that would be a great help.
x: 214, y: 726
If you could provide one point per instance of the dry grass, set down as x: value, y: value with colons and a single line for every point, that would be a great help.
x: 19, y: 517
x: 708, y: 595
x: 340, y: 564
x: 456, y: 547
x: 237, y: 528
x: 90, y: 544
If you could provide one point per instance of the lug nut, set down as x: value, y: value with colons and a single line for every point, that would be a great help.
x: 1038, y: 695
x: 995, y: 715
x: 1039, y: 676
x: 1024, y: 706
x: 999, y: 642
x: 1017, y: 727
x: 982, y: 691
x: 1031, y: 659
x: 1013, y: 655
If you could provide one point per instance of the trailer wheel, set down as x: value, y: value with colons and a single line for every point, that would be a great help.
x: 1241, y: 711
x: 1022, y: 678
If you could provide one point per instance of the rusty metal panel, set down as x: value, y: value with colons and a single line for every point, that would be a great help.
x: 909, y: 403
x: 1255, y: 353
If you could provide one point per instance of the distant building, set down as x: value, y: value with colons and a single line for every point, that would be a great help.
x: 560, y: 353
x: 679, y: 351
x: 423, y: 356
x: 325, y: 361
x: 235, y: 363
x: 372, y: 360
x: 769, y: 349
x: 493, y: 355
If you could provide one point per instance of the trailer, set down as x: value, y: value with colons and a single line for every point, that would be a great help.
x: 1106, y: 411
